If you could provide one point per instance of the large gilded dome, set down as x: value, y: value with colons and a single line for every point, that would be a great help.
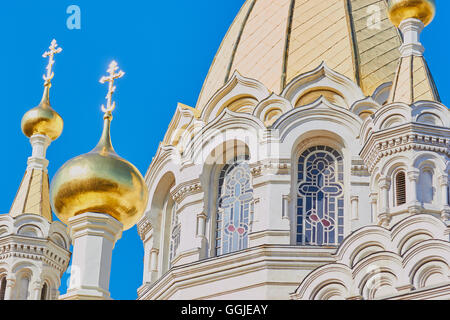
x: 275, y: 41
x: 100, y: 181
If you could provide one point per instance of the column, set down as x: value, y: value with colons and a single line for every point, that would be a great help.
x: 39, y: 144
x: 36, y: 289
x: 9, y: 292
x: 94, y: 236
x: 374, y: 205
x: 190, y: 247
x: 354, y: 200
x: 201, y: 225
x: 411, y: 29
x: 414, y: 206
x: 443, y: 183
x: 200, y: 239
x: 154, y: 254
x: 53, y: 294
x: 148, y: 245
x: 383, y: 215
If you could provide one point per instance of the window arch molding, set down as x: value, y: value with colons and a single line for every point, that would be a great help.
x: 389, y: 171
x: 23, y: 284
x: 234, y: 206
x: 222, y: 155
x: 166, y: 251
x: 307, y: 142
x: 53, y: 282
x: 45, y: 291
x: 426, y: 184
x: 160, y: 207
x: 399, y: 187
x: 431, y: 169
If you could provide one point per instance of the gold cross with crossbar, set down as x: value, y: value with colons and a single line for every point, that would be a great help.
x: 113, y: 67
x: 53, y: 50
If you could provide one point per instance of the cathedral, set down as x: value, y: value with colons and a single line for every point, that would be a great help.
x: 315, y: 166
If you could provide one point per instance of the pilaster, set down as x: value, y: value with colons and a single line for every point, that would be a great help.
x: 94, y: 236
x: 271, y: 202
x: 411, y: 30
x: 374, y: 205
x: 10, y: 284
x: 383, y: 215
x: 39, y: 144
x: 354, y: 201
x: 444, y: 186
x: 414, y: 206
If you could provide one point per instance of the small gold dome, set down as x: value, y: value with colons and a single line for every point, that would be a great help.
x: 43, y: 120
x: 102, y: 182
x: 400, y: 10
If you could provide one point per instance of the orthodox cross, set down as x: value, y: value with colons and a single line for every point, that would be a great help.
x: 113, y: 67
x: 53, y: 50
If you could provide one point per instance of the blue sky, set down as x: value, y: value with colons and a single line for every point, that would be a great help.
x: 165, y: 48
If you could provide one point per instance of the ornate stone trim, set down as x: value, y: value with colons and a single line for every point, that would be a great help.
x: 405, y: 142
x: 36, y: 253
x: 185, y: 189
x: 281, y: 167
x: 358, y: 168
x: 143, y: 227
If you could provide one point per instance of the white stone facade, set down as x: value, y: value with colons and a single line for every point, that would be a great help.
x: 34, y: 254
x: 376, y: 141
x: 336, y: 186
x: 409, y: 261
x: 34, y: 249
x: 94, y: 236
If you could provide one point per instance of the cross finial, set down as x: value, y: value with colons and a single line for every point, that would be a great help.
x: 113, y: 67
x: 53, y: 50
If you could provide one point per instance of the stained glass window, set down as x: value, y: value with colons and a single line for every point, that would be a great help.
x: 235, y: 199
x: 320, y: 201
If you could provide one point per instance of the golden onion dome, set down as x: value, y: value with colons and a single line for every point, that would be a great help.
x: 43, y: 120
x: 102, y: 182
x: 400, y: 10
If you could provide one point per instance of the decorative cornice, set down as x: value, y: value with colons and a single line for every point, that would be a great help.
x: 44, y: 251
x: 273, y: 166
x: 185, y: 189
x: 143, y: 227
x: 404, y: 138
x: 358, y: 168
x: 226, y: 267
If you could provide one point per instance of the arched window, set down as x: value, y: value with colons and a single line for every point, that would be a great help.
x: 175, y: 234
x: 44, y: 291
x: 425, y: 186
x: 165, y: 250
x: 320, y: 202
x: 24, y: 283
x: 235, y: 200
x: 400, y: 188
x: 3, y: 288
